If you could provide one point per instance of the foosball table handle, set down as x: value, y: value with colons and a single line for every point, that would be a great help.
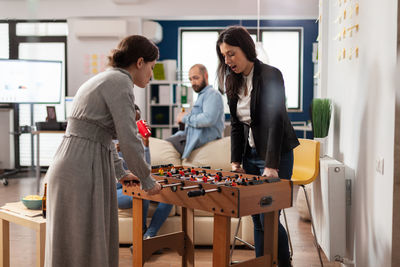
x: 202, y: 192
x: 196, y: 193
x: 266, y: 201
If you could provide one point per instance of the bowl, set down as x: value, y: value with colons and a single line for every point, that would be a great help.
x: 32, y: 202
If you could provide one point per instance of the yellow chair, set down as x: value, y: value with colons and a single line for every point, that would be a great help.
x: 305, y: 171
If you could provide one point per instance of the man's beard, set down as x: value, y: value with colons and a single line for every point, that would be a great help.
x: 198, y: 88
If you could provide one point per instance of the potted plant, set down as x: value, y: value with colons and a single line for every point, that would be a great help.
x: 320, y: 119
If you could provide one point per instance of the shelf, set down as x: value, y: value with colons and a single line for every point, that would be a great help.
x: 157, y: 105
x: 161, y: 105
x: 162, y: 116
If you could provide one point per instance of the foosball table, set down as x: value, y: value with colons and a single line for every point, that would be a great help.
x: 226, y: 195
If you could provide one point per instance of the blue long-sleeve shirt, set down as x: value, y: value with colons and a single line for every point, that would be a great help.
x: 205, y: 122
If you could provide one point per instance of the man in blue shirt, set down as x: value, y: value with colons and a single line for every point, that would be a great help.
x: 205, y: 122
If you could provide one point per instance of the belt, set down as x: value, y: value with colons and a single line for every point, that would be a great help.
x: 88, y: 130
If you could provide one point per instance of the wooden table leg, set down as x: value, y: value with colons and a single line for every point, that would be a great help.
x: 137, y: 239
x: 221, y: 240
x: 4, y: 243
x: 188, y: 228
x: 37, y: 163
x: 40, y: 245
x: 271, y: 236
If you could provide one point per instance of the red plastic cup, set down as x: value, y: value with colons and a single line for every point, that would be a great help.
x: 143, y: 130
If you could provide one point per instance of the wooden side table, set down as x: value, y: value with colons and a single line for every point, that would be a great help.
x: 36, y: 223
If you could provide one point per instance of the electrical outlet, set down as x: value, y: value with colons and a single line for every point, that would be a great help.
x: 379, y: 165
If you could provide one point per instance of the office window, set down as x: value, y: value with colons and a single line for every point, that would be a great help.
x: 35, y: 40
x: 283, y: 50
x: 282, y: 46
x: 199, y: 47
x: 4, y: 46
x: 49, y: 142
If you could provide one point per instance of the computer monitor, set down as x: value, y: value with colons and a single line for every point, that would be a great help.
x: 30, y: 81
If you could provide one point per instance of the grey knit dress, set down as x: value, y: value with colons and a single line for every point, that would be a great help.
x: 82, y: 213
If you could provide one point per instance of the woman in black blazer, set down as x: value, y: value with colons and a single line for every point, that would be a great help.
x: 262, y: 136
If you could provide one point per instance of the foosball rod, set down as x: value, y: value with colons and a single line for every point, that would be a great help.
x: 202, y: 192
x: 172, y: 185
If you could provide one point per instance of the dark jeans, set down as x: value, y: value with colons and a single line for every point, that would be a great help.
x: 178, y: 140
x: 254, y: 165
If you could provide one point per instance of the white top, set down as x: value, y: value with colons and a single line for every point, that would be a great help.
x: 243, y: 104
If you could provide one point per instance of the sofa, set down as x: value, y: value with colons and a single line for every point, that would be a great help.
x: 215, y: 154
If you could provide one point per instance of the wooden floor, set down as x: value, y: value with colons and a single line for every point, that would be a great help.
x: 22, y: 240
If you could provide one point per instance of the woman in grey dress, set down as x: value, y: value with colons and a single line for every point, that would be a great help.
x: 82, y: 222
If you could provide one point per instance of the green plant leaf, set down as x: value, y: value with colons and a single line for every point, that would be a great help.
x: 321, y: 116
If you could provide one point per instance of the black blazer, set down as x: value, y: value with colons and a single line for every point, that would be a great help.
x: 272, y: 130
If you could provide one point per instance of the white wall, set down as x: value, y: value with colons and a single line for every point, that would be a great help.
x: 159, y: 9
x: 81, y: 50
x: 362, y: 90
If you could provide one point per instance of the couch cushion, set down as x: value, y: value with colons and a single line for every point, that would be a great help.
x: 216, y: 154
x: 197, y: 213
x: 127, y: 213
x: 163, y: 152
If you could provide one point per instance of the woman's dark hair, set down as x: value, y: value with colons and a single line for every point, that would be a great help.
x: 130, y: 49
x: 240, y: 37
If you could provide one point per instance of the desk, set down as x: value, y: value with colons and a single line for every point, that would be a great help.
x: 36, y: 223
x: 302, y: 127
x: 37, y: 133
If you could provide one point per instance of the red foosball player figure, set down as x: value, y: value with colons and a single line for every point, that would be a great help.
x: 234, y: 182
x: 217, y: 178
x: 192, y: 178
x: 193, y: 171
x: 169, y: 174
x: 182, y: 173
x: 205, y: 178
x: 161, y: 172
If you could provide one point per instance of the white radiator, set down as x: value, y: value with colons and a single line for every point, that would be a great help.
x: 328, y: 200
